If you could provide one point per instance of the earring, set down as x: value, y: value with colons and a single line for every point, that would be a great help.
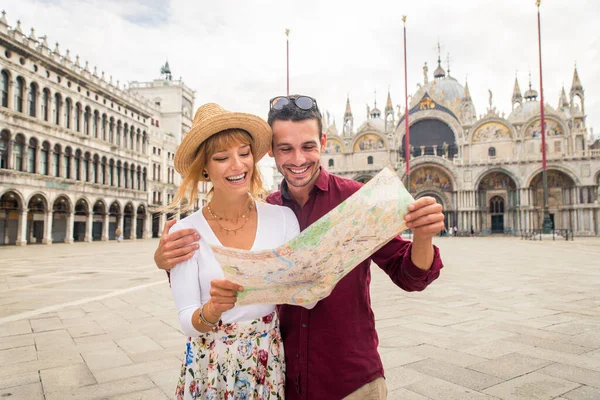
x: 205, y: 174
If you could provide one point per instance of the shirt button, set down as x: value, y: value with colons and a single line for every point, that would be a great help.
x: 297, y: 355
x: 304, y: 325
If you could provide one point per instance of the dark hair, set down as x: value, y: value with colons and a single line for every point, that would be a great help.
x: 290, y: 112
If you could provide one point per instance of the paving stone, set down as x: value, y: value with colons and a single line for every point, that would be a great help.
x: 438, y: 389
x: 105, y: 390
x: 91, y: 328
x: 583, y: 393
x: 15, y: 328
x: 451, y: 356
x: 65, y: 378
x: 510, y: 365
x: 534, y: 386
x: 19, y: 380
x: 455, y: 374
x: 104, y: 359
x: 152, y: 394
x: 113, y: 374
x: 32, y: 391
x: 573, y: 374
x: 404, y: 394
x: 137, y: 344
x: 17, y: 355
x: 13, y: 342
x: 46, y: 324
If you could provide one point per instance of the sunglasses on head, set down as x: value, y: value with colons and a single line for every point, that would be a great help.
x: 302, y: 102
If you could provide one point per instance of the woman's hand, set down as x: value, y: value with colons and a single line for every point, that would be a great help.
x: 223, y: 296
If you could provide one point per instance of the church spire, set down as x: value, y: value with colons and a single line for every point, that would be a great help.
x: 563, y: 102
x: 388, y: 105
x: 516, y: 97
x: 467, y: 96
x: 348, y: 112
x: 576, y: 85
x: 348, y: 119
x: 439, y: 71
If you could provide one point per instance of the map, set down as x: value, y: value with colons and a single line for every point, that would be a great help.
x: 307, y: 268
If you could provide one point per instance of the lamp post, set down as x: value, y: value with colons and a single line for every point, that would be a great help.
x: 407, y: 129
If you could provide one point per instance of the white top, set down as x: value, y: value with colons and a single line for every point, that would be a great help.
x: 190, y: 280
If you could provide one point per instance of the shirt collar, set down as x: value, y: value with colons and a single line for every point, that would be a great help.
x: 322, y: 183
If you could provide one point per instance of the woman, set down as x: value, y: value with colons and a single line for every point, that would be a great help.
x: 233, y: 351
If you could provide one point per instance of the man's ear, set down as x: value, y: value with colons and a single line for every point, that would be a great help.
x: 323, y: 142
x: 270, y: 152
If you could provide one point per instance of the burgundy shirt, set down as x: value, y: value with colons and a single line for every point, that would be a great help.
x: 331, y: 350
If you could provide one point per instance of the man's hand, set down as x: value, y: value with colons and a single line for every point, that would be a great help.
x: 223, y: 295
x: 175, y: 247
x: 425, y: 219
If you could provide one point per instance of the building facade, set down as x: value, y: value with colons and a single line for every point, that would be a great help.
x: 80, y: 155
x: 485, y: 170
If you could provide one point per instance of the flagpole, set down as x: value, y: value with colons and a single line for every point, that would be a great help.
x: 407, y: 129
x: 287, y: 58
x: 547, y: 224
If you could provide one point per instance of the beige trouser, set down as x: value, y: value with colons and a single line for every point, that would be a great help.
x: 376, y: 390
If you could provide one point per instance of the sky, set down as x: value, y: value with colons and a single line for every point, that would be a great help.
x: 234, y: 52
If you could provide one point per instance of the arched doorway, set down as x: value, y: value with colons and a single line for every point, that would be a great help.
x: 140, y: 222
x: 114, y: 216
x: 433, y: 180
x: 81, y: 220
x: 99, y: 211
x: 10, y: 209
x: 60, y: 219
x: 36, y: 215
x: 496, y: 211
x: 562, y: 195
x: 498, y: 185
x: 363, y: 178
x: 128, y: 216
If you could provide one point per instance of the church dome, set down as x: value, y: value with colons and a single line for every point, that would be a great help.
x: 373, y: 124
x: 447, y: 89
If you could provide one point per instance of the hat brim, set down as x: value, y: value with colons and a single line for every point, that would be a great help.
x: 258, y: 129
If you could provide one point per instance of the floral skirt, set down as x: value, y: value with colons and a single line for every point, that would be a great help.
x: 244, y: 360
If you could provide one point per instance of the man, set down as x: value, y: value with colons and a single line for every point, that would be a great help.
x: 331, y: 350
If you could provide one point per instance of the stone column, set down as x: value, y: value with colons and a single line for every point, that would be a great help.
x: 22, y: 228
x: 89, y: 222
x: 9, y: 155
x: 38, y: 158
x: 148, y: 225
x: 133, y: 234
x: 105, y: 224
x: 48, y: 228
x: 70, y: 225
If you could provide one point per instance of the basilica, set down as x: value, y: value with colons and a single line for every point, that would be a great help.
x: 485, y: 169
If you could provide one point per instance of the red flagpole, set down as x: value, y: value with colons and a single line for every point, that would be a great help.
x: 547, y: 223
x: 407, y: 129
x: 287, y: 57
x: 543, y: 124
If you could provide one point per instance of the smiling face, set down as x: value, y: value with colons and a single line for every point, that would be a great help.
x: 297, y: 151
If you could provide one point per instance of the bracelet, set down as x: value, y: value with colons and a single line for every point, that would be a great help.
x: 212, y: 325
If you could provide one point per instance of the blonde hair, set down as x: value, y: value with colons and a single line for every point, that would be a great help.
x: 187, y: 193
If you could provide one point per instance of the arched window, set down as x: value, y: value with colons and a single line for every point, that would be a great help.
x: 19, y: 94
x: 95, y: 125
x: 153, y: 172
x: 77, y: 165
x: 118, y: 142
x: 131, y: 138
x: 57, y: 106
x: 18, y: 151
x: 497, y: 205
x: 67, y: 155
x: 139, y: 178
x: 370, y: 160
x: 96, y: 169
x: 86, y: 121
x: 4, y: 88
x: 144, y: 174
x: 56, y: 160
x: 118, y: 173
x: 78, y: 117
x: 158, y: 173
x: 125, y: 133
x: 45, y: 161
x: 32, y: 100
x: 125, y: 175
x: 331, y: 162
x: 32, y: 155
x: 103, y: 127
x: 68, y: 111
x: 111, y: 172
x: 45, y: 104
x: 86, y: 167
x: 103, y: 171
x: 4, y: 139
x: 492, y: 152
x: 111, y: 130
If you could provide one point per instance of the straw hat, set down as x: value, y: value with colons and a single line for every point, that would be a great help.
x: 211, y: 119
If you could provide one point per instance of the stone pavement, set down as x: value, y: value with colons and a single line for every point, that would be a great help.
x: 508, y: 319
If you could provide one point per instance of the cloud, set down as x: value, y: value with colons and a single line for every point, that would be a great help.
x: 234, y: 52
